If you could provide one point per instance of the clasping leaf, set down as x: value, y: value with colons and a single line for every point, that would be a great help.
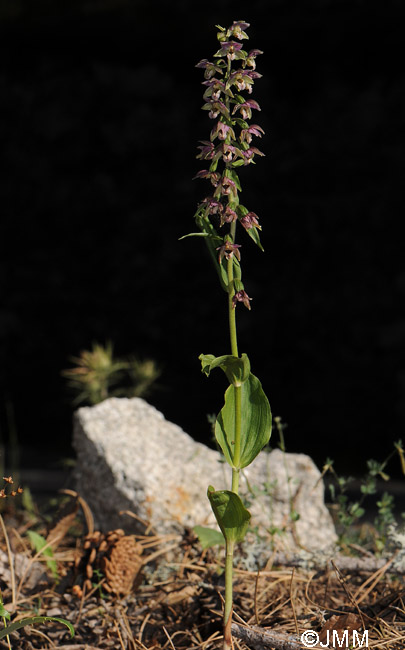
x: 237, y: 369
x: 256, y: 422
x: 230, y: 513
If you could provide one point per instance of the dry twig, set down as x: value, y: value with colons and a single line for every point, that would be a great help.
x: 260, y: 639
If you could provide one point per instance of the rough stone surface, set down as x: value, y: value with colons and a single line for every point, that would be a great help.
x: 131, y: 458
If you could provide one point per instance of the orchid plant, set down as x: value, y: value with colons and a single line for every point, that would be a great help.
x: 243, y: 427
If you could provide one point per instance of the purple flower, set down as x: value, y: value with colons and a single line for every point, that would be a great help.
x: 221, y: 131
x: 226, y: 187
x: 250, y: 220
x: 207, y: 150
x: 254, y: 53
x: 237, y: 29
x: 251, y: 58
x: 246, y: 134
x: 231, y: 49
x: 246, y: 108
x: 203, y: 63
x: 241, y: 296
x: 241, y: 79
x: 253, y: 75
x: 215, y: 108
x: 214, y: 177
x: 215, y: 87
x: 210, y: 68
x: 213, y: 206
x: 228, y: 249
x: 249, y: 154
x: 227, y: 152
x: 228, y: 216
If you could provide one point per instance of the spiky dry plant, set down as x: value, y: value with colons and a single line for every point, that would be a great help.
x: 98, y: 374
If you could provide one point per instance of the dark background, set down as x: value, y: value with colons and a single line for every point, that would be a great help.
x: 99, y: 122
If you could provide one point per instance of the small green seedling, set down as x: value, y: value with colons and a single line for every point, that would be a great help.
x: 243, y: 427
x: 41, y: 546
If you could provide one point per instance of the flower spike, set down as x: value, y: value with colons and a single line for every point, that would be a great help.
x: 228, y: 82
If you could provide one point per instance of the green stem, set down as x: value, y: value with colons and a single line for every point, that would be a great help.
x: 228, y: 578
x: 234, y: 351
x: 231, y: 310
x: 228, y: 596
x: 237, y: 448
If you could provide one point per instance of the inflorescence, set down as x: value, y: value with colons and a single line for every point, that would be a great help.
x: 229, y: 147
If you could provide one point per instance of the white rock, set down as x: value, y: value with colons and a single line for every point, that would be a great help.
x: 130, y: 458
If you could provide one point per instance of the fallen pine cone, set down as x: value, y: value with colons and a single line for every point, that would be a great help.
x: 116, y: 555
x: 122, y: 565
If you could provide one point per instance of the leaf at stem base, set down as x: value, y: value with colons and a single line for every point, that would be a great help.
x: 232, y: 516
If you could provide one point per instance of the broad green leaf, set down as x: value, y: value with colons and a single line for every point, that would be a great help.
x: 39, y: 543
x: 256, y: 422
x: 3, y: 612
x: 230, y: 513
x: 35, y: 619
x: 237, y: 369
x: 208, y: 536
